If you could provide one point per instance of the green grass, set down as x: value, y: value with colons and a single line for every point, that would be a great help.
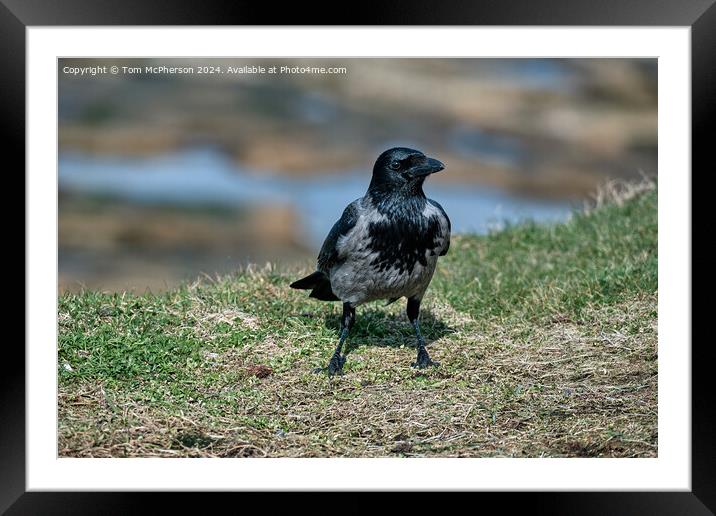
x: 546, y: 336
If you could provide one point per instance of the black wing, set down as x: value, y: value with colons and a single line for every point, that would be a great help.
x: 447, y: 237
x: 329, y: 254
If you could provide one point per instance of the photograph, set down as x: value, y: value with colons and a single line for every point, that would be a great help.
x: 357, y: 257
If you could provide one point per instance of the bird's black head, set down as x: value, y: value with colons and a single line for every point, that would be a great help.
x: 403, y: 169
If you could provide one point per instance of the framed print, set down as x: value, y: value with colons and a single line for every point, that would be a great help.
x: 433, y: 250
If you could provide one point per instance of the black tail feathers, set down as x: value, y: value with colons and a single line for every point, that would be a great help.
x: 319, y: 284
x: 309, y: 281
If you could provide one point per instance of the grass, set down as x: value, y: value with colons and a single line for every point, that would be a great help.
x: 547, y: 338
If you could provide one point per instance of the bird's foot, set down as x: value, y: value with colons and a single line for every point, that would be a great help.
x: 335, y: 366
x: 424, y: 360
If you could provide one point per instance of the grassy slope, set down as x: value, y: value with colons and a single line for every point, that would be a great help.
x: 546, y: 337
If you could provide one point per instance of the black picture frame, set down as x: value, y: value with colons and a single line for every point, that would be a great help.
x: 17, y: 15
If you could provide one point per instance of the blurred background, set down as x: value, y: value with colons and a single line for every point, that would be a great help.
x: 164, y: 177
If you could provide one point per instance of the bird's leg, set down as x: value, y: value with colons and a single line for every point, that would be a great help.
x: 423, y: 359
x: 335, y: 365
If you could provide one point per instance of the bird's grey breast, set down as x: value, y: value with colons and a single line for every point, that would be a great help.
x: 389, y: 254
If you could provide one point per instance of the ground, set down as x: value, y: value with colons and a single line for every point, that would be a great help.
x: 546, y: 338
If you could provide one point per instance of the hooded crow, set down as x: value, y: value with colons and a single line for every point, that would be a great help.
x: 385, y: 246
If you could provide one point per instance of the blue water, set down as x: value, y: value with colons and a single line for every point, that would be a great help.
x: 206, y: 176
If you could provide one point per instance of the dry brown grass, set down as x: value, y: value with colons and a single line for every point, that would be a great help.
x: 570, y: 390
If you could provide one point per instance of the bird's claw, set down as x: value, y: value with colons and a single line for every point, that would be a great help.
x: 424, y: 360
x: 335, y: 366
x: 425, y: 363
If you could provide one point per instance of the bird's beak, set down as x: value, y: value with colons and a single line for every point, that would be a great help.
x: 430, y: 166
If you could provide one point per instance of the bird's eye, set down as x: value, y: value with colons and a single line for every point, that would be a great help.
x: 395, y: 165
